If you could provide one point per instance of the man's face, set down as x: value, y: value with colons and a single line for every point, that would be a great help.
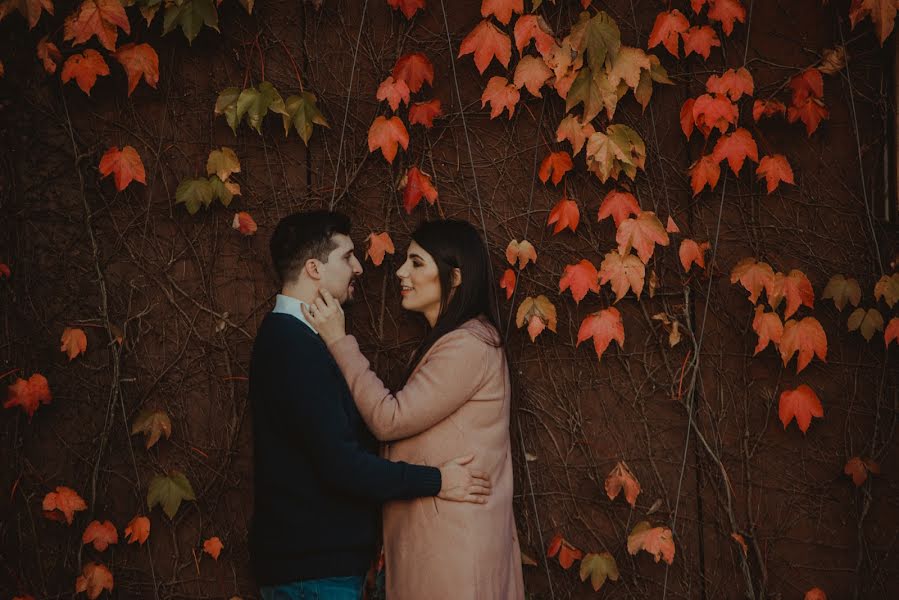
x: 340, y: 270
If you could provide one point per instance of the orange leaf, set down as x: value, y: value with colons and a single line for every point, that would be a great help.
x: 557, y: 164
x: 101, y: 535
x: 531, y: 73
x: 154, y: 424
x: 668, y: 26
x: 795, y: 287
x: 811, y: 112
x: 891, y: 333
x: 74, y: 342
x: 28, y: 394
x: 603, y: 326
x: 65, y: 500
x: 424, y: 113
x: 213, y: 547
x: 687, y: 120
x: 815, y: 593
x: 726, y: 12
x: 97, y: 17
x: 538, y: 313
x: 378, y: 245
x: 618, y: 205
x: 394, y: 91
x: 805, y: 336
x: 641, y: 233
x: 507, y: 282
x: 125, y: 164
x: 752, y: 275
x: 417, y: 185
x: 705, y: 171
x: 413, y: 69
x: 658, y: 541
x: 775, y: 168
x: 768, y: 326
x: 501, y: 95
x: 501, y: 9
x: 882, y: 13
x: 808, y: 84
x: 739, y: 539
x: 85, y: 68
x: 139, y: 60
x: 690, y: 252
x: 767, y: 108
x: 580, y: 278
x: 487, y: 42
x: 621, y: 478
x: 736, y: 147
x: 732, y: 83
x: 138, y: 530
x: 5, y: 272
x: 803, y: 404
x: 49, y: 54
x: 522, y: 252
x: 575, y: 132
x: 714, y: 112
x: 244, y: 223
x: 407, y: 7
x: 567, y: 553
x: 533, y: 27
x: 624, y: 272
x: 93, y: 580
x: 858, y: 469
x: 386, y: 134
x: 671, y: 226
x: 700, y: 39
x: 30, y: 9
x: 564, y: 214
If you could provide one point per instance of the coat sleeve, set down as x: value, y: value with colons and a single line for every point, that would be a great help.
x: 449, y: 376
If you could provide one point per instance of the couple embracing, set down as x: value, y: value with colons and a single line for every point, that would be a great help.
x: 442, y: 483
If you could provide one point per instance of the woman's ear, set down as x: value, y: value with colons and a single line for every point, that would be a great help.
x: 457, y: 277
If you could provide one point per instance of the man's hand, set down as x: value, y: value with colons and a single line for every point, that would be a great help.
x: 326, y: 316
x: 463, y: 484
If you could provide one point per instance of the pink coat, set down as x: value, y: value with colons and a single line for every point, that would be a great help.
x: 455, y: 403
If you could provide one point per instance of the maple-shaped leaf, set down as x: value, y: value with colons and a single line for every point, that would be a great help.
x: 656, y: 73
x: 580, y: 278
x: 256, y: 102
x: 621, y: 478
x: 842, y: 290
x: 140, y: 61
x: 191, y: 16
x: 572, y: 130
x: 705, y: 171
x: 603, y: 326
x: 501, y: 9
x: 598, y: 36
x: 671, y: 226
x: 858, y: 468
x: 767, y: 108
x: 154, y: 424
x: 775, y: 168
x: 556, y: 164
x: 125, y: 164
x: 736, y: 147
x: 627, y: 64
x: 867, y: 322
x: 657, y: 541
x: 531, y: 73
x: 620, y: 148
x: 564, y: 214
x: 194, y: 193
x: 533, y: 27
x: 805, y: 336
x: 752, y: 275
x: 501, y: 95
x: 65, y: 500
x: 213, y: 547
x: 97, y: 17
x: 891, y: 333
x: 414, y: 69
x: 226, y: 104
x: 138, y: 530
x: 394, y: 91
x: 244, y: 223
x: 726, y: 12
x: 487, y: 42
x: 714, y: 112
x: 49, y: 54
x: 507, y: 282
x: 733, y: 83
x: 700, y: 39
x: 168, y: 491
x: 691, y: 252
x: 538, y: 313
x: 768, y: 326
x: 618, y: 205
x: 642, y: 233
x: 222, y: 162
x: 687, y: 121
x: 811, y: 112
x: 303, y: 114
x: 815, y: 593
x: 407, y: 7
x: 5, y: 272
x: 881, y: 12
x: 93, y: 580
x: 416, y: 185
x: 624, y: 272
x: 424, y: 113
x: 567, y: 553
x: 28, y: 393
x: 31, y: 10
x: 802, y: 403
x: 521, y: 252
x: 598, y: 567
x: 807, y: 84
x: 84, y: 68
x: 668, y: 27
x: 386, y: 134
x: 101, y: 535
x: 223, y: 190
x: 795, y: 287
x: 887, y: 287
x: 73, y: 342
x: 379, y: 244
x: 595, y: 91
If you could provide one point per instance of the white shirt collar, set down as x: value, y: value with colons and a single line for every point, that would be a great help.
x: 291, y: 306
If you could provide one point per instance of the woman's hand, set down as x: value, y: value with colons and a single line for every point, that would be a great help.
x: 326, y: 316
x: 463, y: 484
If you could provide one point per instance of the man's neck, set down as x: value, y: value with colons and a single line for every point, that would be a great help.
x: 304, y: 293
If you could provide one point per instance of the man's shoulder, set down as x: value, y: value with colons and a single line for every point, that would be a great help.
x: 286, y: 332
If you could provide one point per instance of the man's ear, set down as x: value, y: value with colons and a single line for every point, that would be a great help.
x: 310, y: 267
x: 457, y: 277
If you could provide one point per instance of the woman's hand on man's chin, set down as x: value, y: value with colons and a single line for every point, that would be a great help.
x: 326, y: 316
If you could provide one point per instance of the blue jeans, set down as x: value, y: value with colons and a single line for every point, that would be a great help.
x: 332, y: 588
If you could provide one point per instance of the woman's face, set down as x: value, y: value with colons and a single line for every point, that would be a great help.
x: 420, y: 283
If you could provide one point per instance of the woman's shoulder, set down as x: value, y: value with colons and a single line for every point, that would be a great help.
x: 477, y: 330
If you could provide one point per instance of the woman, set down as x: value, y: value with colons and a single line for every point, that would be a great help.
x: 455, y: 401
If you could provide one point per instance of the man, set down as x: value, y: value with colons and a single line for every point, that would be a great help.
x: 318, y: 481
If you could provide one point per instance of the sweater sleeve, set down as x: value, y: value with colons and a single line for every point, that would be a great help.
x: 451, y: 374
x: 315, y: 414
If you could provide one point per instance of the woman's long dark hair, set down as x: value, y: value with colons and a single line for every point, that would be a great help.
x: 457, y: 244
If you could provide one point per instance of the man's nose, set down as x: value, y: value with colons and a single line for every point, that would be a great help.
x: 357, y: 267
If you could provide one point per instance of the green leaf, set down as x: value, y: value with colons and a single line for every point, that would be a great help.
x: 629, y: 147
x: 657, y: 72
x: 193, y: 193
x: 598, y: 36
x: 595, y: 91
x: 223, y: 163
x: 221, y: 190
x: 302, y: 113
x: 169, y: 491
x: 191, y: 15
x: 226, y: 104
x: 255, y: 103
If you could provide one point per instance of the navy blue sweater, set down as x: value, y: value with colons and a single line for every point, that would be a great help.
x: 318, y: 482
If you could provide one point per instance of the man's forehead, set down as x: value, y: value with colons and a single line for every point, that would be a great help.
x: 343, y: 242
